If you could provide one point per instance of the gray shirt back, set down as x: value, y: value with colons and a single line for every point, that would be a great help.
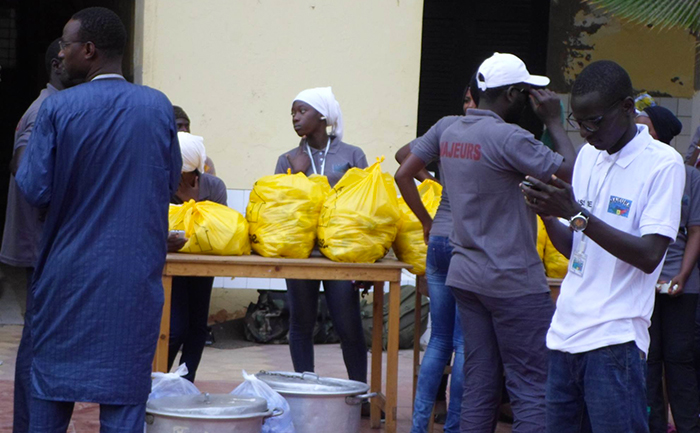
x: 211, y: 188
x: 341, y: 157
x: 22, y: 231
x: 426, y: 147
x: 690, y: 216
x: 484, y: 159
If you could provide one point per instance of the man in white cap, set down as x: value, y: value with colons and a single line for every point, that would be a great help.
x: 495, y: 273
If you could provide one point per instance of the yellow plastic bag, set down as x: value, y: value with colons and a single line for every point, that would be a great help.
x: 210, y: 228
x: 409, y: 245
x: 555, y: 264
x: 358, y: 220
x: 283, y: 214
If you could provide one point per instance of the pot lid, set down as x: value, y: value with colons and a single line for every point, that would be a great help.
x: 310, y: 383
x: 208, y: 406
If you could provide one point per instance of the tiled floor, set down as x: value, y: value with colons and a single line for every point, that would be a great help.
x: 219, y: 372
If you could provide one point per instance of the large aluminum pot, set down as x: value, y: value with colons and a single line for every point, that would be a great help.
x: 320, y: 404
x: 207, y: 413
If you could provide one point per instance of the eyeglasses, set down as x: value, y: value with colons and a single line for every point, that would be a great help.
x: 62, y: 45
x: 590, y: 125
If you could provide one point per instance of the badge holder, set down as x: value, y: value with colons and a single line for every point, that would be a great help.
x: 577, y: 263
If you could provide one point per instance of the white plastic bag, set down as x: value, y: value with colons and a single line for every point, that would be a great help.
x: 254, y: 387
x: 171, y: 384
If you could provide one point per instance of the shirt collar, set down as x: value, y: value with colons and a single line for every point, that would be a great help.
x: 51, y: 89
x: 108, y: 77
x: 335, y: 144
x: 631, y: 150
x: 486, y: 113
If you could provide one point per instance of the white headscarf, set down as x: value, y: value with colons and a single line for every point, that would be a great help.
x: 192, y: 150
x: 323, y: 101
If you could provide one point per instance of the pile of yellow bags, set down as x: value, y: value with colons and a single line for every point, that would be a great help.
x: 283, y: 214
x: 210, y: 228
x: 358, y: 221
x: 409, y: 245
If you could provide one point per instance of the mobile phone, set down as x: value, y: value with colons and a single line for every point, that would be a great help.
x: 664, y: 287
x: 180, y: 234
x: 530, y: 185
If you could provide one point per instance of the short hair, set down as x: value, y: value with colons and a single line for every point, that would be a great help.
x: 493, y: 93
x: 103, y: 28
x: 51, y: 53
x: 180, y: 113
x: 607, y: 78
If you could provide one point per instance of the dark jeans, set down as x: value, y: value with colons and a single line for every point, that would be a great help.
x: 344, y: 307
x: 23, y: 365
x: 671, y: 355
x: 504, y: 334
x: 600, y: 391
x: 54, y: 417
x: 189, y: 313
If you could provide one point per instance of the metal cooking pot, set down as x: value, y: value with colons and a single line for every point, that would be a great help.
x: 320, y: 404
x: 207, y: 413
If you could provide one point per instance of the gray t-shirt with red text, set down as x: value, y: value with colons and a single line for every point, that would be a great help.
x: 484, y: 159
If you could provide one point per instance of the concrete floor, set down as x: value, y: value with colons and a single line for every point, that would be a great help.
x: 219, y: 372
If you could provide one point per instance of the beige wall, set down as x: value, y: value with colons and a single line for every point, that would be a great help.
x: 235, y: 67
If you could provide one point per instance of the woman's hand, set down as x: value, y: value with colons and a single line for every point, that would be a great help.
x: 299, y: 161
x: 175, y: 242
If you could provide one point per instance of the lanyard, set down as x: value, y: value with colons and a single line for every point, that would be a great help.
x: 324, y: 156
x: 582, y: 244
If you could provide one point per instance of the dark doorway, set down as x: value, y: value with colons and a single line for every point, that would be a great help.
x: 27, y: 27
x: 459, y: 34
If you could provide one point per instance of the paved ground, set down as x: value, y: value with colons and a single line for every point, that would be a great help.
x: 220, y: 371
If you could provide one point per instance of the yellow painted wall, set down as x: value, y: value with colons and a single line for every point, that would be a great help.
x: 235, y: 67
x: 658, y: 61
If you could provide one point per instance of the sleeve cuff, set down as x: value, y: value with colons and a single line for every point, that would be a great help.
x: 659, y: 229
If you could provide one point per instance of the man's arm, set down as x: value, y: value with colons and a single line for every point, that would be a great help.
x: 690, y: 260
x: 557, y: 199
x: 548, y: 108
x: 401, y: 155
x: 561, y: 236
x: 35, y: 172
x: 410, y: 167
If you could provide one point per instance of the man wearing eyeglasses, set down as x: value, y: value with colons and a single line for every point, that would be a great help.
x: 623, y: 211
x: 103, y: 160
x: 495, y: 273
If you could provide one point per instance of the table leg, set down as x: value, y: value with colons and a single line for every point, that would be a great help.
x: 160, y: 361
x: 377, y: 336
x: 392, y: 356
x: 417, y: 335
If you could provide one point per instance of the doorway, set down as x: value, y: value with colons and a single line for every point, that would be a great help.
x: 27, y: 27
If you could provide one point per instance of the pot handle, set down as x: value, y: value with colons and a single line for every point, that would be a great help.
x: 310, y: 374
x: 357, y: 399
x: 278, y: 411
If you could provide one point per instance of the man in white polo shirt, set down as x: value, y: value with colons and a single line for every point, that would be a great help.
x: 623, y: 211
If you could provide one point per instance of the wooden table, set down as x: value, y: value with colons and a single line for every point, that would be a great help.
x: 313, y: 269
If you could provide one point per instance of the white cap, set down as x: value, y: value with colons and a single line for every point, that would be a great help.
x: 505, y: 69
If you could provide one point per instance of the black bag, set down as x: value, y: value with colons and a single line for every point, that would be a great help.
x: 268, y: 321
x: 407, y: 324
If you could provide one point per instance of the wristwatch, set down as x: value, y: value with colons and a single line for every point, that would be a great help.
x: 579, y: 222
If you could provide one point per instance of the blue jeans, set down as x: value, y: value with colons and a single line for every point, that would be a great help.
x: 54, y: 417
x: 601, y: 391
x: 504, y: 335
x: 445, y: 337
x: 343, y: 302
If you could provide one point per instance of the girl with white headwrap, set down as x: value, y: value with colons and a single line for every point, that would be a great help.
x: 323, y: 153
x: 191, y: 295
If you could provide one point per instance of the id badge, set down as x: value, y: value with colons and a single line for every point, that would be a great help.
x: 577, y: 264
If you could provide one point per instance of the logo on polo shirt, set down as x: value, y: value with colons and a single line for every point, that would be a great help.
x: 619, y: 206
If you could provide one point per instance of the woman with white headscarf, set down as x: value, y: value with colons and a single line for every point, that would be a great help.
x: 191, y: 295
x: 323, y: 153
